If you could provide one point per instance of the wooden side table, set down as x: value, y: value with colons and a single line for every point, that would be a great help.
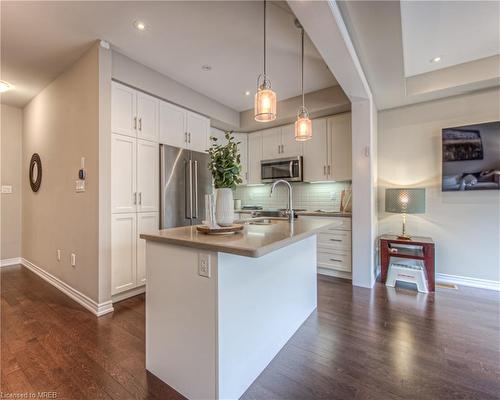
x: 423, y: 249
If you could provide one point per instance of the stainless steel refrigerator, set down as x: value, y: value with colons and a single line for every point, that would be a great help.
x: 184, y: 181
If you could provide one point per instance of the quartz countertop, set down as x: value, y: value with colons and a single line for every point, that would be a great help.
x: 252, y: 241
x: 325, y: 214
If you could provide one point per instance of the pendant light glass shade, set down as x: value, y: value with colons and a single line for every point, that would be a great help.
x: 303, y: 124
x: 265, y: 103
x: 265, y: 98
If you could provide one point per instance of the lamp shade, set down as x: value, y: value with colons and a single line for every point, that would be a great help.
x: 405, y: 201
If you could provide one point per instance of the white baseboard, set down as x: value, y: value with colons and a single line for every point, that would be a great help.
x: 129, y: 293
x: 85, y: 301
x: 334, y: 273
x: 466, y: 281
x: 10, y: 261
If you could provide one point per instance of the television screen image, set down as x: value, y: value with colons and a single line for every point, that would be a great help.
x: 471, y: 157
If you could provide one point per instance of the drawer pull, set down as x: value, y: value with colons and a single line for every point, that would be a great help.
x: 335, y: 240
x: 334, y: 259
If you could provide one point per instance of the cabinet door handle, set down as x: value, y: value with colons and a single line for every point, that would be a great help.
x: 282, y: 148
x: 329, y: 171
x: 334, y: 259
x: 324, y: 169
x: 135, y: 198
x: 140, y: 197
x: 135, y: 122
x: 140, y: 124
x: 185, y: 137
x: 279, y: 149
x: 189, y: 137
x: 335, y: 240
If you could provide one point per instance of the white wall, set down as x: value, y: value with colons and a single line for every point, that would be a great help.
x: 464, y: 225
x: 146, y: 79
x: 11, y: 151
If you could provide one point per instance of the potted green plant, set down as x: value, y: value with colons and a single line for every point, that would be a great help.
x: 225, y: 167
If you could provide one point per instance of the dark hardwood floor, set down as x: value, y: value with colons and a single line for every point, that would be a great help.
x: 360, y: 344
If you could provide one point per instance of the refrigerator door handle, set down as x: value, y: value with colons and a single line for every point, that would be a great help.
x: 162, y: 179
x: 189, y: 187
x: 195, y: 189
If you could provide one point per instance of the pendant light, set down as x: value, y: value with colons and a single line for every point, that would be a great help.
x: 303, y: 125
x: 265, y: 98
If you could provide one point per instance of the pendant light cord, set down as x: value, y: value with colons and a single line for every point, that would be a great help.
x: 265, y: 76
x: 302, y: 75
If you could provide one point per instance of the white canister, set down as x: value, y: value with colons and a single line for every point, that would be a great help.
x: 224, y: 213
x: 237, y: 204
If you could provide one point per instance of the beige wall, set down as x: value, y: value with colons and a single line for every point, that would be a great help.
x: 62, y: 124
x: 132, y: 73
x: 465, y: 225
x: 11, y: 138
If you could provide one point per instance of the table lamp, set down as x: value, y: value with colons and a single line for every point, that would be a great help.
x: 405, y: 201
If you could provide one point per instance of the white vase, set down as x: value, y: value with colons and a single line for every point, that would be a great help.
x: 224, y: 212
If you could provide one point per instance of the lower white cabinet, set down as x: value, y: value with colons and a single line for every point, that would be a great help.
x: 123, y: 252
x: 334, y: 247
x: 146, y: 223
x: 128, y: 256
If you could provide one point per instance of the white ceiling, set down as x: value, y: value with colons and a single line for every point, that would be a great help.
x: 376, y: 30
x: 40, y: 39
x: 456, y: 31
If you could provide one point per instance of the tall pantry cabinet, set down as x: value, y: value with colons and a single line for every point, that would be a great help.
x: 134, y: 183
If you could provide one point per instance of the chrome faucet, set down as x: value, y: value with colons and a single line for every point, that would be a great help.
x: 289, y: 212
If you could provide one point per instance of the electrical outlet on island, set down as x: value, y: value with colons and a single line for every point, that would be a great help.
x: 204, y: 265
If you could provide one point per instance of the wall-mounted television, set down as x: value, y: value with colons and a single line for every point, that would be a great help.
x: 471, y: 157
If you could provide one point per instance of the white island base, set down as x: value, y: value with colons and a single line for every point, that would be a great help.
x: 209, y: 338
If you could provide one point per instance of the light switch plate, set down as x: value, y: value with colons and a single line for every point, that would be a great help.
x: 6, y: 189
x: 80, y: 186
x: 204, y: 265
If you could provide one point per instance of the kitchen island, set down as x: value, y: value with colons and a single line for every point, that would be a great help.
x: 219, y: 308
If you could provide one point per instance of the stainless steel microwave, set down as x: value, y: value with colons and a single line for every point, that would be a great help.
x: 289, y: 169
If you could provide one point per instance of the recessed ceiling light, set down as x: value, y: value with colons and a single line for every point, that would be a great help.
x: 206, y: 67
x: 141, y: 26
x: 5, y: 86
x: 247, y: 93
x: 436, y: 59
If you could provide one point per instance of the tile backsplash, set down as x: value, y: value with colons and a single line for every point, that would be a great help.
x: 308, y: 196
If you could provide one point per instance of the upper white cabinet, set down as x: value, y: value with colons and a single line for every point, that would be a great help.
x: 123, y: 109
x: 172, y: 125
x: 289, y: 146
x: 280, y: 143
x: 198, y: 131
x: 123, y: 174
x: 147, y: 117
x: 183, y: 128
x: 340, y: 147
x: 133, y: 113
x: 328, y: 155
x: 315, y: 153
x: 255, y: 145
x: 271, y: 143
x: 134, y: 175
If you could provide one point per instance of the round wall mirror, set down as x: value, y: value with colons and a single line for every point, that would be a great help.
x: 35, y: 172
